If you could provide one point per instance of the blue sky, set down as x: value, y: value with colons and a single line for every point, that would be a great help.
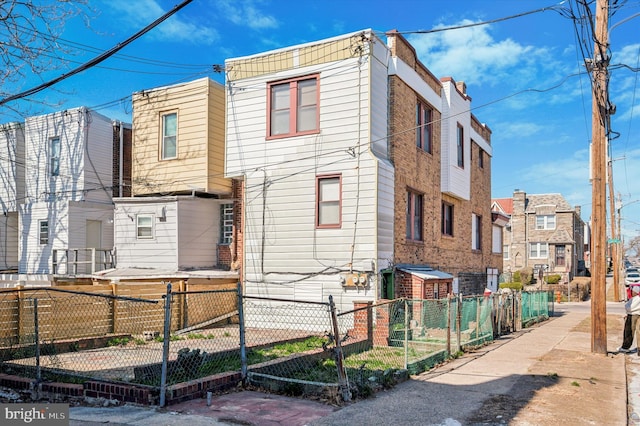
x: 525, y: 75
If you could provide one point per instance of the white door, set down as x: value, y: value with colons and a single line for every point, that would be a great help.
x: 93, y: 240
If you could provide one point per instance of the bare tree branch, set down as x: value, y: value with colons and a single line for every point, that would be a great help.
x: 29, y: 33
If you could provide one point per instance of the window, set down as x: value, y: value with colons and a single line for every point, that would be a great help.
x: 460, y: 146
x: 55, y: 157
x: 414, y: 216
x: 169, y: 136
x: 447, y: 219
x: 538, y: 250
x: 545, y: 222
x: 144, y: 226
x: 436, y: 291
x: 44, y: 231
x: 293, y: 107
x: 226, y: 233
x: 481, y: 158
x: 476, y: 232
x: 505, y: 252
x: 328, y: 201
x: 424, y: 117
x: 560, y: 256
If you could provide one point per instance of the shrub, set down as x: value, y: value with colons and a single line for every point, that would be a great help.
x: 517, y: 286
x: 526, y: 275
x: 516, y: 277
x: 553, y: 279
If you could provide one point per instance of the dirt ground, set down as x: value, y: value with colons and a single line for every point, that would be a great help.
x: 563, y: 387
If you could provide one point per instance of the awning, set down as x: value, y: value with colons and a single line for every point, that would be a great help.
x: 426, y: 273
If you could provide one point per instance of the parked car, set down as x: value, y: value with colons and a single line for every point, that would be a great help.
x: 632, y: 277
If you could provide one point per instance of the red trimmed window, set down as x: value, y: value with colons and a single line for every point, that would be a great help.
x: 329, y: 201
x: 293, y: 107
x: 414, y: 216
x: 424, y: 128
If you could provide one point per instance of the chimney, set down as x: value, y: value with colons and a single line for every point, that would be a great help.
x: 462, y: 87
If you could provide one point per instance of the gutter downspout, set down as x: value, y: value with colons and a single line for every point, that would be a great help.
x: 121, y: 155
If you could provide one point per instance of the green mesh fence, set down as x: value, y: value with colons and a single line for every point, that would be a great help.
x: 535, y: 306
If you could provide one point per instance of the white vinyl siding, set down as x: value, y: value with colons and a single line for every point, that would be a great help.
x: 295, y: 246
x: 455, y: 180
x: 84, y: 162
x: 186, y: 232
x: 12, y: 167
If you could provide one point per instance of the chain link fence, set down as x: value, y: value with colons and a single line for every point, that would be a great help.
x: 53, y: 334
x: 286, y: 346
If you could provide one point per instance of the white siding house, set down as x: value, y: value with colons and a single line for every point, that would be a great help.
x: 318, y: 201
x: 456, y: 145
x: 68, y: 178
x: 168, y: 233
x: 11, y: 191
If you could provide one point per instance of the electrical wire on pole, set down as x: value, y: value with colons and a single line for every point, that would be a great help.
x: 600, y: 120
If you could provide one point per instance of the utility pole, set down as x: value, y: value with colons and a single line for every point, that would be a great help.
x: 600, y: 106
x: 615, y: 242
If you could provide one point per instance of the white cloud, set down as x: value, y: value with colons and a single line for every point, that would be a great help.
x: 139, y: 13
x: 473, y: 55
x: 246, y: 13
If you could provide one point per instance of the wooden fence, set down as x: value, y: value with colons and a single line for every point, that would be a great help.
x: 79, y: 311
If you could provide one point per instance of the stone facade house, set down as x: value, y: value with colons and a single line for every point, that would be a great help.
x: 544, y: 233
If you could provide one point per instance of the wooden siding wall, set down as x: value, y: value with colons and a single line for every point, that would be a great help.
x: 217, y: 183
x: 63, y: 315
x: 200, y: 140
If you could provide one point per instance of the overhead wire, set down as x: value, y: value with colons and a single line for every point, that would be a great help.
x: 98, y: 59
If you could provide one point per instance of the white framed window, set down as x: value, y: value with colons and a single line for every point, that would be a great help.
x: 43, y: 232
x: 505, y: 252
x: 144, y: 226
x: 329, y: 201
x: 226, y: 233
x: 169, y: 142
x: 476, y: 232
x: 436, y: 291
x: 496, y: 239
x: 545, y: 221
x: 538, y: 250
x: 54, y: 156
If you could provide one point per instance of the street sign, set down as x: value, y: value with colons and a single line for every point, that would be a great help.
x: 613, y: 240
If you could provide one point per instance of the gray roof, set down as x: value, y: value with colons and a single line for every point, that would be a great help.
x: 534, y: 200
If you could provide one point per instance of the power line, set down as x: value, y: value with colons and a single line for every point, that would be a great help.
x: 98, y: 59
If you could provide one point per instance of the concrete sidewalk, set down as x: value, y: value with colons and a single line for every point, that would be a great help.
x: 545, y: 375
